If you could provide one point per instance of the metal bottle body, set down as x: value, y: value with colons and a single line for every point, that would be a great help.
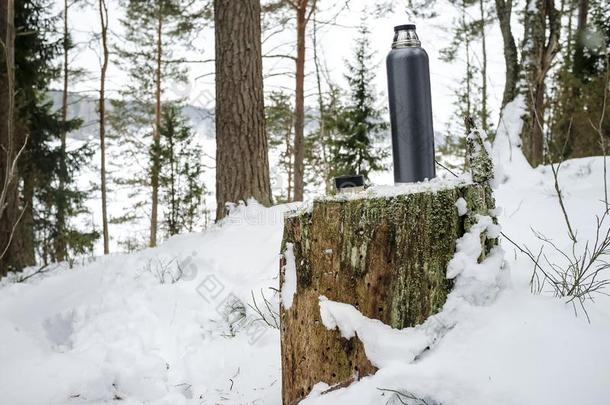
x: 410, y: 109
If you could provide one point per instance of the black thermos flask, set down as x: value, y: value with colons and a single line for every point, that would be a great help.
x: 410, y: 107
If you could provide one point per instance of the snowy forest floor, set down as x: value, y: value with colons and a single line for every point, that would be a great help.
x: 176, y: 325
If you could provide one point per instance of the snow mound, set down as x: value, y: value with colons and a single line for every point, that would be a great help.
x: 508, y: 158
x: 177, y: 325
x: 499, y: 343
x: 170, y: 325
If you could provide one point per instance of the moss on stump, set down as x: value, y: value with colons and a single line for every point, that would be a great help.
x: 386, y: 256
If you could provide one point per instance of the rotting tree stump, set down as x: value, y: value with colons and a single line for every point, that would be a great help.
x: 385, y: 255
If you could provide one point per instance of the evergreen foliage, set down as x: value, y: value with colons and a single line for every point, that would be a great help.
x: 42, y: 168
x: 359, y: 123
x: 581, y: 91
x: 181, y: 176
x: 153, y: 30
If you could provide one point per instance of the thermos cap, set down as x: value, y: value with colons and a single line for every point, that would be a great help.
x: 405, y: 36
x: 404, y: 27
x: 349, y: 181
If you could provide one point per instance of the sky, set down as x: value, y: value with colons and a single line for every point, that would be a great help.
x: 336, y: 43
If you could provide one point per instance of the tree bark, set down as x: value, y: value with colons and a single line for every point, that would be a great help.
x: 156, y: 159
x: 385, y: 256
x: 173, y: 217
x: 299, y: 104
x: 324, y: 141
x: 60, y: 239
x: 103, y: 9
x: 484, y: 111
x: 539, y: 50
x: 9, y: 193
x: 579, y: 46
x: 504, y: 11
x: 242, y: 165
x: 469, y: 75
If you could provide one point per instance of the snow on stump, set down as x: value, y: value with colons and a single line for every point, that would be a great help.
x: 385, y: 251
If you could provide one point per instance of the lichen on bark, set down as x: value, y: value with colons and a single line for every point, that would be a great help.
x: 386, y: 256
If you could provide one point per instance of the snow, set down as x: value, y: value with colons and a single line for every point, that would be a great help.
x: 477, y: 284
x: 198, y: 92
x: 383, y: 345
x: 385, y: 191
x: 111, y: 329
x: 289, y: 288
x: 134, y: 327
x: 462, y: 206
x: 507, y: 155
x: 468, y: 249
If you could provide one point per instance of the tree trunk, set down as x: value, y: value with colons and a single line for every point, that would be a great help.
x: 173, y: 218
x: 324, y: 141
x: 242, y: 164
x: 469, y: 75
x: 299, y: 104
x: 504, y: 11
x: 484, y: 112
x: 539, y: 50
x: 156, y: 159
x: 103, y: 9
x: 9, y: 193
x: 288, y: 164
x: 60, y: 237
x: 25, y: 243
x: 579, y: 46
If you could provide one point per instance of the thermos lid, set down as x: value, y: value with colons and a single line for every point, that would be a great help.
x: 405, y: 36
x: 349, y: 181
x: 404, y: 27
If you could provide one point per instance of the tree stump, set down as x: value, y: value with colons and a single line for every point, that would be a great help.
x: 386, y: 255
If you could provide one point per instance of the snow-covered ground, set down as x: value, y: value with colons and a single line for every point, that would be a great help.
x: 136, y: 328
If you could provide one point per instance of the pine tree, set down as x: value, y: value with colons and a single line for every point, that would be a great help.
x: 304, y: 10
x: 242, y: 164
x: 153, y: 28
x: 360, y: 123
x: 181, y: 183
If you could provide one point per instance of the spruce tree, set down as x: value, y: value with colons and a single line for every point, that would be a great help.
x: 360, y: 122
x: 47, y: 186
x: 182, y: 188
